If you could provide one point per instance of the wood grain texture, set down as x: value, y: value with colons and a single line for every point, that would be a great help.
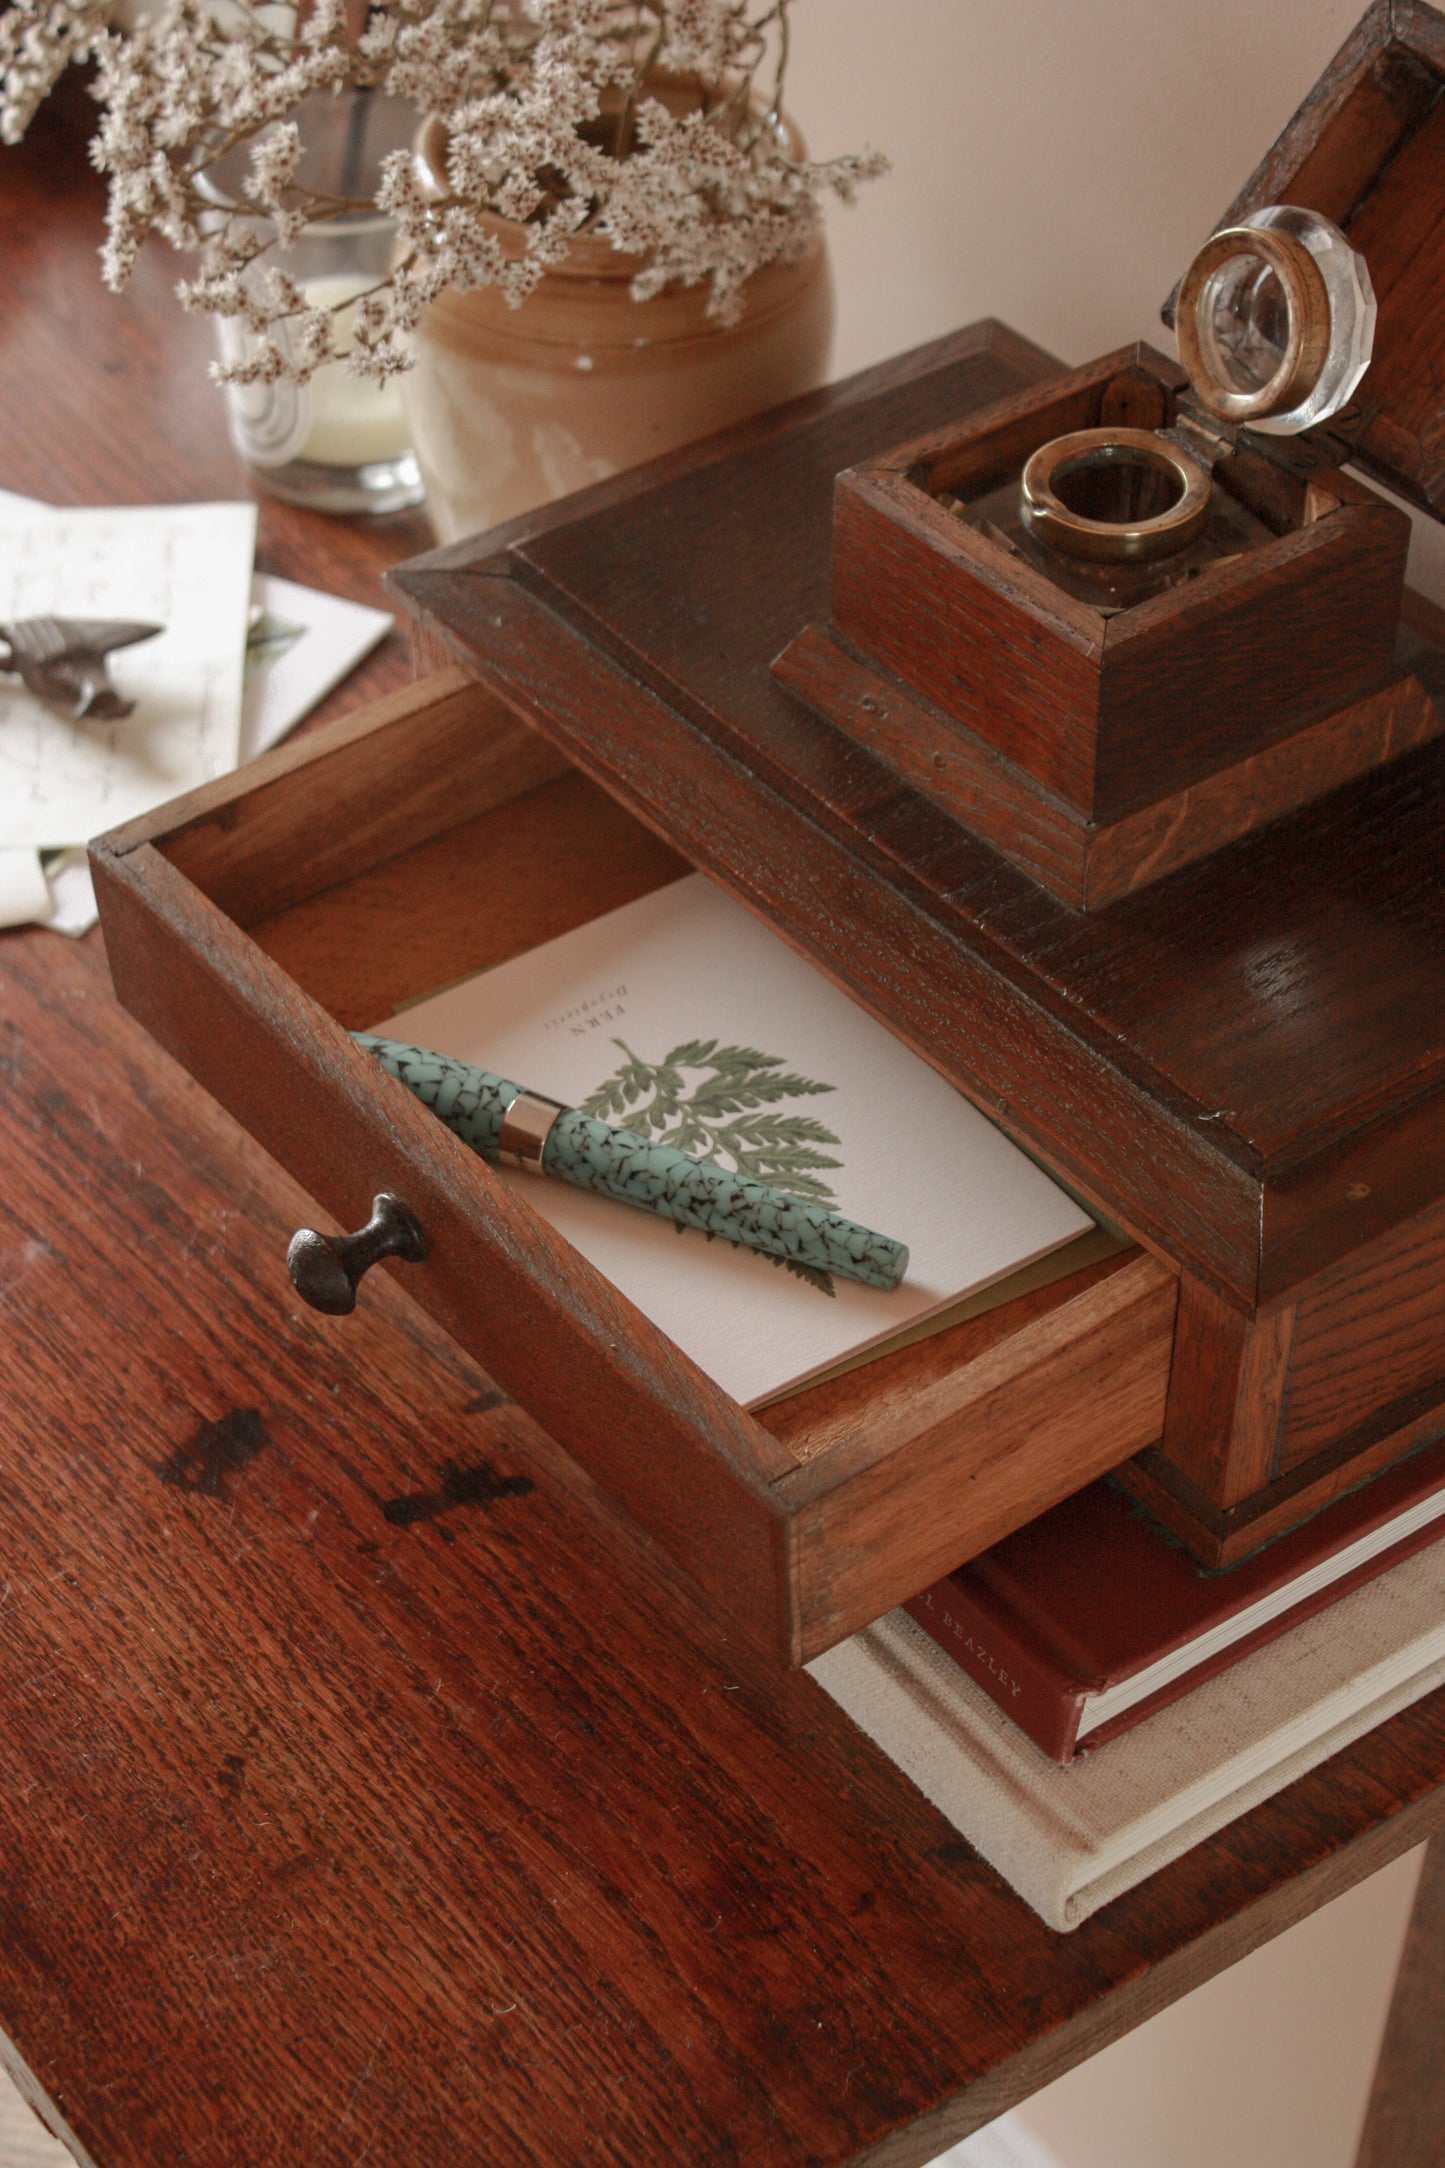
x: 1405, y: 2115
x: 1155, y: 1052
x: 1112, y: 712
x: 875, y: 1507
x: 1019, y: 1058
x: 1222, y: 1535
x: 1140, y: 849
x: 427, y: 1826
x: 1254, y: 649
x: 1226, y: 1394
x: 999, y: 1438
x: 865, y: 1410
x: 941, y: 757
x: 608, y: 1385
x: 1369, y: 1340
x: 1085, y: 863
x: 1347, y: 127
x: 360, y: 1804
x: 472, y: 896
x: 941, y: 606
x: 1220, y: 1462
x: 1001, y: 437
x: 329, y: 805
x: 1244, y: 1061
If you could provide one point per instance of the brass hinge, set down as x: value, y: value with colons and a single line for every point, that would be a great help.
x: 1208, y: 439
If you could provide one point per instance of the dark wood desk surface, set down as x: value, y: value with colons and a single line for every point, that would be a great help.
x: 372, y: 1792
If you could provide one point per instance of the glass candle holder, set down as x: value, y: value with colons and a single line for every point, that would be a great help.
x: 338, y: 443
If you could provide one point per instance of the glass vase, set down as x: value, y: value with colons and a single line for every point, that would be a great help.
x: 338, y: 443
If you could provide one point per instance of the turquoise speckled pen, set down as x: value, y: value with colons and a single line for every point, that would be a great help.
x: 518, y: 1128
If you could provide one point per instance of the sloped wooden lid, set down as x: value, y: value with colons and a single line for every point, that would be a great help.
x: 1367, y: 148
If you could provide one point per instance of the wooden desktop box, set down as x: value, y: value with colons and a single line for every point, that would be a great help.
x: 1243, y: 1064
x: 435, y: 833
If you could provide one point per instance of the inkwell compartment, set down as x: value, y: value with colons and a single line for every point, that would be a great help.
x: 1276, y: 322
x: 1117, y: 621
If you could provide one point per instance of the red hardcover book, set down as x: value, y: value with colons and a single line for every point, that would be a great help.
x: 1090, y: 1618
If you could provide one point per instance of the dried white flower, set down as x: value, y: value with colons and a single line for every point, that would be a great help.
x: 38, y: 41
x: 275, y: 157
x: 647, y: 122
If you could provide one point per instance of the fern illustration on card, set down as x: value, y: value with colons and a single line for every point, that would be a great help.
x: 680, y: 1016
x: 724, y: 1104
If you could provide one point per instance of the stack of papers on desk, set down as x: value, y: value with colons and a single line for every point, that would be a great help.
x: 186, y: 568
x: 239, y: 661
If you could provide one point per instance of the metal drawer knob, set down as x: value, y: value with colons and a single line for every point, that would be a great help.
x: 326, y: 1269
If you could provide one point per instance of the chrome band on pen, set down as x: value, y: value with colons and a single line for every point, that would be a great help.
x: 526, y: 1126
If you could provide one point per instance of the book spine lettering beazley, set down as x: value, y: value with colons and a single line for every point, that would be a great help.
x: 1054, y: 1701
x: 1042, y: 1703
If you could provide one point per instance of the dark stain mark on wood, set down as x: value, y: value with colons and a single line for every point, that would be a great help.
x: 953, y: 1852
x: 217, y: 1453
x: 231, y: 1776
x: 482, y: 1403
x: 476, y: 1486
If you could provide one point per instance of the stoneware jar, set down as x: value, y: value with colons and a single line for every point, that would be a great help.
x: 510, y: 407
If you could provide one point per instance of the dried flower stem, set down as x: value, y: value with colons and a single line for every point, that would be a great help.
x: 642, y: 121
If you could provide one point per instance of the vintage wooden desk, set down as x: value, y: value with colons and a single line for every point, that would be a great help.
x: 373, y: 1791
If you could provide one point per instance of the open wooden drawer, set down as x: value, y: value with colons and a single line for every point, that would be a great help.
x: 252, y: 924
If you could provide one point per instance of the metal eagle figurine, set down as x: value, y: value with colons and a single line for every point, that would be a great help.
x: 63, y: 662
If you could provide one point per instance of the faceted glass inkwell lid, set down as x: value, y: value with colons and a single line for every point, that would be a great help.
x: 1276, y: 321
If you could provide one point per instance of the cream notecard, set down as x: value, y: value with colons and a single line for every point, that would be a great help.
x: 302, y: 644
x: 682, y: 1017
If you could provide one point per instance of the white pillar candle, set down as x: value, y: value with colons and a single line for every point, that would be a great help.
x: 335, y: 419
x: 350, y: 421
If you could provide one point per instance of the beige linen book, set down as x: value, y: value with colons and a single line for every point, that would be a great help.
x: 1069, y: 1837
x: 684, y: 1017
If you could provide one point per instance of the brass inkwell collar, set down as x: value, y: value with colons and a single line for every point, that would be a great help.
x: 1275, y: 320
x: 1121, y: 496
